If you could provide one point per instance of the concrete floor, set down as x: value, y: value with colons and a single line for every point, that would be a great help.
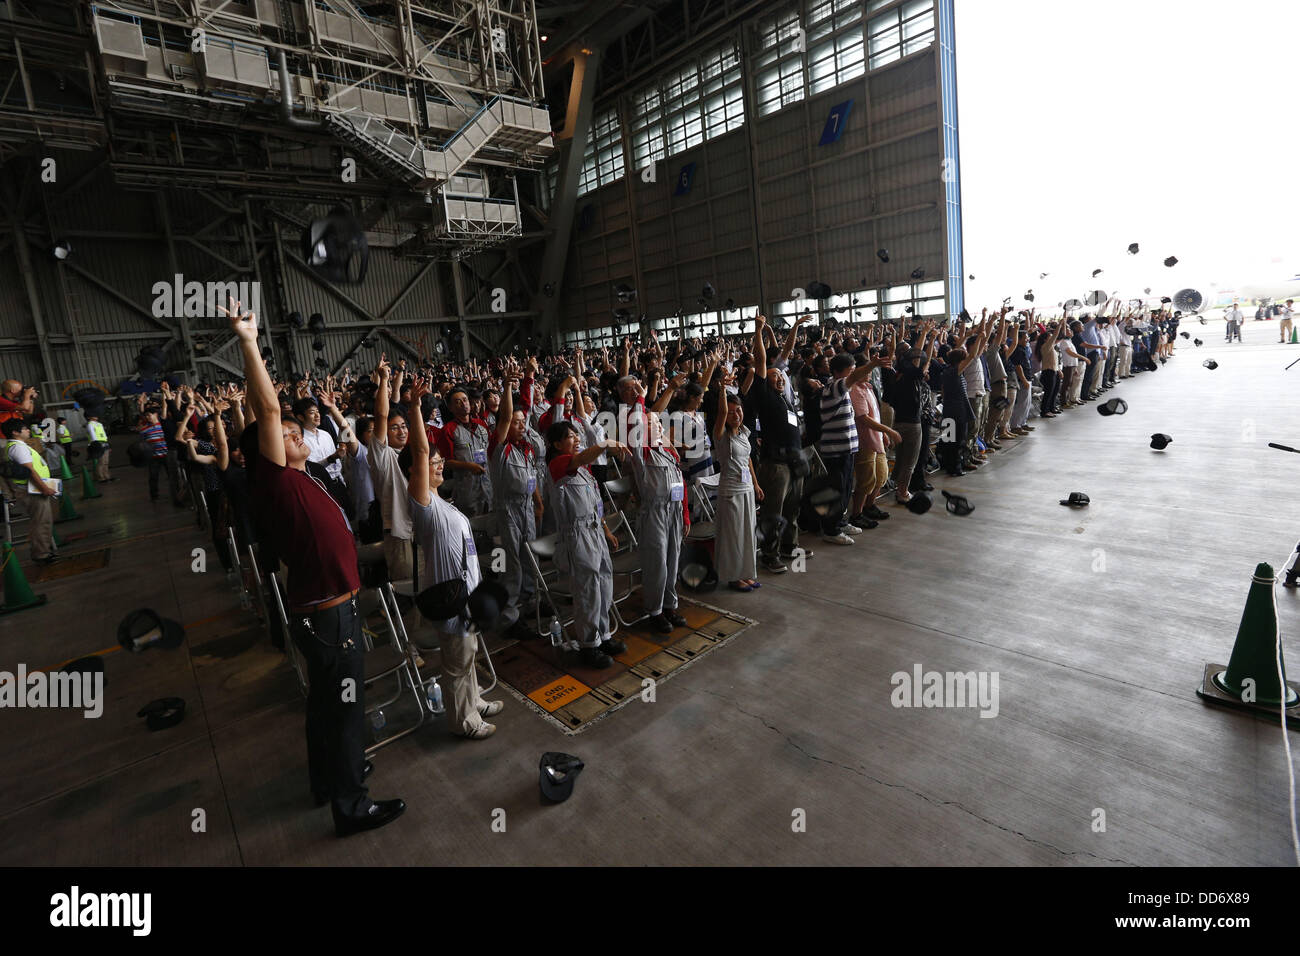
x: 1097, y: 673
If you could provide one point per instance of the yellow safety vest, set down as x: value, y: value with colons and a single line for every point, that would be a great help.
x: 38, y: 462
x: 96, y: 432
x: 65, y: 436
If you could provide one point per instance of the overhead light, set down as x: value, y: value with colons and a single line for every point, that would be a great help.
x: 335, y: 248
x: 62, y: 249
x: 544, y: 38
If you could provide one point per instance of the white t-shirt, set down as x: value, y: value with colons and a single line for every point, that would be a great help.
x: 19, y: 452
x: 1065, y: 346
x: 390, y: 487
x: 322, y: 446
x: 1233, y: 315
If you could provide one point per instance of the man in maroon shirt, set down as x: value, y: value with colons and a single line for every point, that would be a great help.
x: 311, y: 536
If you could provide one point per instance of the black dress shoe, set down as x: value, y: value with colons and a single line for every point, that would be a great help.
x: 381, y: 812
x: 675, y: 619
x: 323, y: 798
x: 613, y: 647
x: 594, y: 657
x: 658, y: 623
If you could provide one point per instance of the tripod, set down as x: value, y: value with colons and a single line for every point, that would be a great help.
x: 1292, y: 573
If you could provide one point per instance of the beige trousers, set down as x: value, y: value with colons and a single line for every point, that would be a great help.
x: 460, y: 682
x: 40, y: 533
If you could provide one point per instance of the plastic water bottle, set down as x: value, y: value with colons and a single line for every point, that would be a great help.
x: 378, y: 722
x: 557, y: 633
x: 434, y: 695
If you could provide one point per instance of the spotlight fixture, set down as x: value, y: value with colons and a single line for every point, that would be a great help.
x: 548, y: 290
x: 62, y: 249
x: 1132, y: 248
x: 296, y: 321
x: 1171, y: 262
x: 336, y: 248
x: 918, y: 273
x: 624, y: 293
x: 882, y: 255
x: 1095, y: 273
x: 708, y: 292
x: 316, y: 323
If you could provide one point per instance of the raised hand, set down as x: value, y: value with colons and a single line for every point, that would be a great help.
x: 243, y: 324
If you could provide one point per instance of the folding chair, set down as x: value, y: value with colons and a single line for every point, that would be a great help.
x: 705, y: 529
x: 386, y: 660
x: 290, y: 649
x: 554, y: 587
x: 240, y: 577
x: 391, y: 659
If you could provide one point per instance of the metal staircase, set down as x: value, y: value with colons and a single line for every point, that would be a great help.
x: 503, y: 122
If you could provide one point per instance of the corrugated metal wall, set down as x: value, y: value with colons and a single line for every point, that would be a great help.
x: 822, y: 211
x: 120, y: 252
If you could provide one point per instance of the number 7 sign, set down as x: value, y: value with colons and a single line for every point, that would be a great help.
x: 835, y: 122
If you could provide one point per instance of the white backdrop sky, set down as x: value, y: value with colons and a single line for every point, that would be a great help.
x: 1089, y: 124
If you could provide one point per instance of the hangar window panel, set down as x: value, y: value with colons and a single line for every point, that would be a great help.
x: 701, y: 100
x: 778, y: 30
x: 903, y: 30
x: 603, y: 158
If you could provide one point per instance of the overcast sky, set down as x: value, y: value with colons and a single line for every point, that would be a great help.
x: 1086, y: 126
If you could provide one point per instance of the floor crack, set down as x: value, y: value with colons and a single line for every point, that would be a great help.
x: 898, y: 786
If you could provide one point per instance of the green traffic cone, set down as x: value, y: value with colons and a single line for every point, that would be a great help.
x: 64, y: 471
x: 1256, y: 655
x: 1294, y: 340
x: 88, y: 489
x: 18, y: 593
x: 66, y: 511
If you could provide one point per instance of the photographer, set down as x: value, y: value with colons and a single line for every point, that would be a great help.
x: 40, y: 497
x: 16, y: 400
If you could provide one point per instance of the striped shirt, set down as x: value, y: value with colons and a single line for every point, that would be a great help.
x: 839, y: 431
x: 157, y: 441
